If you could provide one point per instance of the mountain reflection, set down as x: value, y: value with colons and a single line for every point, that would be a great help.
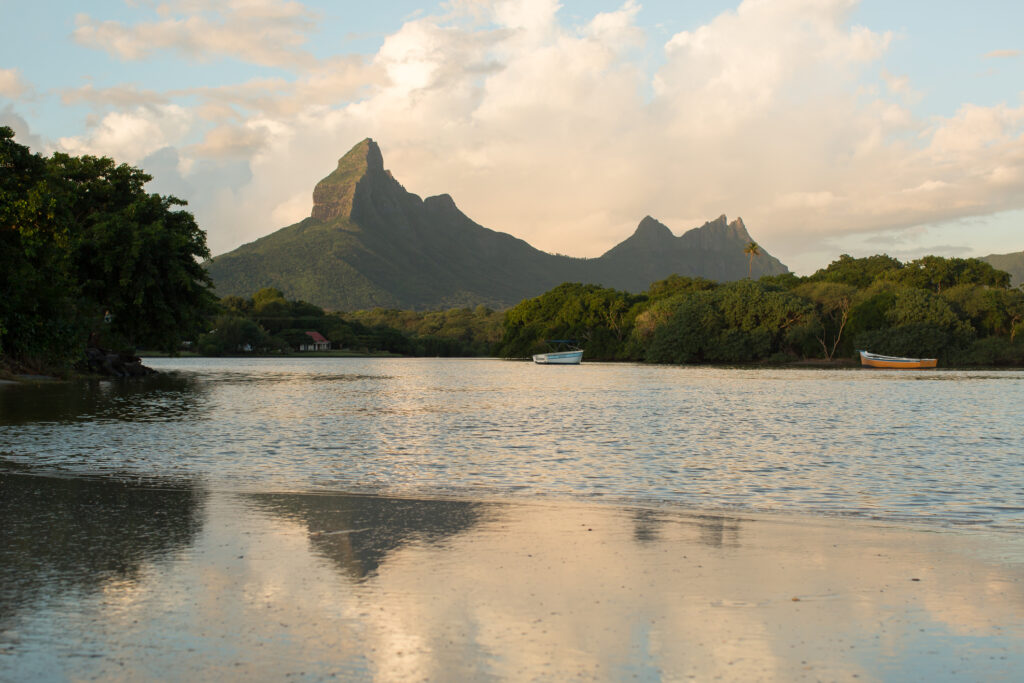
x: 358, y: 532
x: 157, y: 398
x: 59, y: 535
x: 713, y: 530
x: 719, y: 531
x: 646, y: 525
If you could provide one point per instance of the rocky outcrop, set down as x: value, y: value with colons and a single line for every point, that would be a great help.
x: 334, y: 195
x: 102, y: 362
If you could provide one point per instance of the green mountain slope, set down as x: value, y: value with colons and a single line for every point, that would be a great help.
x: 1011, y: 263
x: 368, y: 243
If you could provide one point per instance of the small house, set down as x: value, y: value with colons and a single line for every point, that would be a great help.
x: 317, y: 342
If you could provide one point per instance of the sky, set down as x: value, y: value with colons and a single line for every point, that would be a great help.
x: 829, y: 126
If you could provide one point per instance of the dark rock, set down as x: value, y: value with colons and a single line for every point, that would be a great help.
x: 102, y: 362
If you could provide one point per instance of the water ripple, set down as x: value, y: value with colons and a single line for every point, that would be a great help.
x: 943, y: 447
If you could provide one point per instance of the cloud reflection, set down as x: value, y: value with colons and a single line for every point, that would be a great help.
x: 392, y: 589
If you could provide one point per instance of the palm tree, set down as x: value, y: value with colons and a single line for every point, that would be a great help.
x: 753, y: 250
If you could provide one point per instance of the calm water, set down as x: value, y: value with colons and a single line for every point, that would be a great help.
x: 937, y: 447
x: 528, y: 523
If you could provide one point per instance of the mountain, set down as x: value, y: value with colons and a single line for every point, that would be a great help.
x: 713, y: 251
x: 1011, y: 263
x: 368, y: 242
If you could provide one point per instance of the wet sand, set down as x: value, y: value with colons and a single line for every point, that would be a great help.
x: 281, y: 586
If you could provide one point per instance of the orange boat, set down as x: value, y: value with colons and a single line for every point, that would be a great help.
x: 874, y: 360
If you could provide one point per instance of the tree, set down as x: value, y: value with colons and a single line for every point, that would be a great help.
x: 133, y: 255
x: 833, y: 301
x: 738, y: 322
x: 601, y: 317
x: 936, y: 273
x: 859, y: 272
x: 753, y: 250
x: 37, y: 313
x: 234, y: 334
x: 89, y: 253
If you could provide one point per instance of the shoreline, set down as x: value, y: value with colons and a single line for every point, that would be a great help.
x: 476, y: 497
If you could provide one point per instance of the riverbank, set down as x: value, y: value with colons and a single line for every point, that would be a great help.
x: 272, y: 586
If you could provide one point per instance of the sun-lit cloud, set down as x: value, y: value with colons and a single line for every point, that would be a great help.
x: 559, y: 130
x: 11, y: 84
x: 232, y: 141
x: 267, y: 32
x: 120, y: 96
x: 129, y: 136
x: 1003, y: 54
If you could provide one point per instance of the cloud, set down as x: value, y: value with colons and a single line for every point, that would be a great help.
x: 128, y: 136
x: 11, y: 84
x: 266, y: 32
x: 232, y: 142
x: 562, y: 135
x: 22, y: 132
x: 1002, y: 54
x: 118, y: 97
x: 543, y: 130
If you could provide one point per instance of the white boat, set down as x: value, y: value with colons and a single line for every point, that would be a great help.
x: 559, y: 358
x: 563, y: 352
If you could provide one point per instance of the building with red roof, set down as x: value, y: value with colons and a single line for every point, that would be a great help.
x: 317, y: 342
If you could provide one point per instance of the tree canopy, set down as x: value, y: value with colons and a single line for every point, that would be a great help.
x: 86, y: 252
x: 960, y: 310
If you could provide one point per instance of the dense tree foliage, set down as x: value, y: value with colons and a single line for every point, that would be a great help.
x: 960, y: 310
x: 269, y: 323
x: 86, y: 252
x: 599, y: 318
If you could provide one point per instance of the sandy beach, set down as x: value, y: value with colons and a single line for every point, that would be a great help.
x: 277, y: 586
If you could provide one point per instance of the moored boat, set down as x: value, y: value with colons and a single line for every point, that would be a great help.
x: 571, y: 356
x: 875, y: 360
x: 559, y: 358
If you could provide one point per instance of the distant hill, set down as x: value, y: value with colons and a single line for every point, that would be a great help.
x: 1011, y: 263
x: 368, y: 243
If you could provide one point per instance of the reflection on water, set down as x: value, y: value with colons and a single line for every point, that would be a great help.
x: 646, y: 524
x: 933, y: 447
x: 127, y: 578
x: 155, y: 398
x: 265, y: 589
x: 357, y: 532
x: 61, y: 536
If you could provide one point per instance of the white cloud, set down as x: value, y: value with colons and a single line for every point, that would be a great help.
x: 898, y: 85
x: 22, y: 132
x: 267, y: 32
x: 1003, y: 54
x: 806, y: 200
x: 121, y: 96
x: 129, y: 136
x: 11, y: 84
x: 232, y: 141
x: 975, y: 129
x: 560, y: 135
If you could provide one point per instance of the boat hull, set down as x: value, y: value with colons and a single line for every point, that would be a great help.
x: 874, y: 360
x: 559, y: 358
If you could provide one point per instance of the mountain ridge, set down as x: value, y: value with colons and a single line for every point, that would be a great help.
x: 1012, y: 263
x: 368, y: 242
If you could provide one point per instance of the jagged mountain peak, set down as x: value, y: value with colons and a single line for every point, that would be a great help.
x: 333, y: 196
x: 718, y: 234
x: 369, y: 242
x: 651, y: 228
